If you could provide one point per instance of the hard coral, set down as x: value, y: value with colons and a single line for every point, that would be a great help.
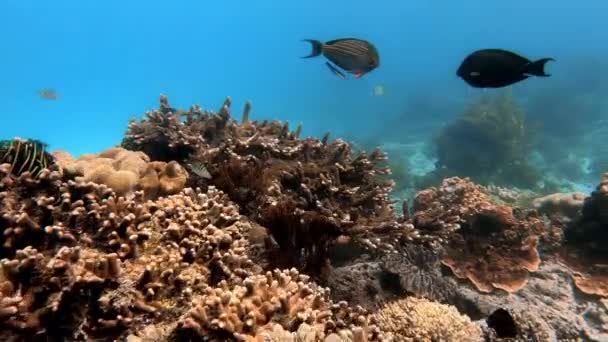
x: 285, y: 298
x: 127, y: 171
x: 485, y: 243
x: 566, y: 205
x: 81, y: 264
x: 586, y: 243
x: 65, y: 243
x: 307, y: 192
x: 414, y: 319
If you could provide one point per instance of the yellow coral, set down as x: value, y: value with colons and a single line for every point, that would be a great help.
x: 414, y: 319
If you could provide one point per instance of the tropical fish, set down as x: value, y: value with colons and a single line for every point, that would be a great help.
x: 496, y: 68
x: 355, y: 56
x: 199, y: 169
x: 48, y: 94
x: 378, y: 90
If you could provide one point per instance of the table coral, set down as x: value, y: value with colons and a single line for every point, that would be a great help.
x: 306, y: 192
x: 414, y: 319
x: 485, y: 243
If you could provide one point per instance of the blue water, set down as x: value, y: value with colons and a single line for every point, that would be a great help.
x: 109, y: 60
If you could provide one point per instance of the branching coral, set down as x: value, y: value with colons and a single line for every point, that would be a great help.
x: 414, y: 319
x: 307, y: 192
x: 286, y: 298
x: 485, y: 243
x: 489, y: 143
x: 80, y: 263
x: 55, y: 231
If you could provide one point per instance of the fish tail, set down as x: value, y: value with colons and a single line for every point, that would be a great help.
x: 317, y: 47
x: 537, y: 68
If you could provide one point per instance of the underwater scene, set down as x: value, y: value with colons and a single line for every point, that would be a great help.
x: 302, y: 171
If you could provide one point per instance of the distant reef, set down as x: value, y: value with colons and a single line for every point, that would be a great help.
x: 284, y: 238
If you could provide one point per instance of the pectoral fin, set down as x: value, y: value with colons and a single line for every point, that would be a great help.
x: 335, y: 70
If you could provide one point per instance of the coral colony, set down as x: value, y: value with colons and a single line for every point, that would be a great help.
x: 283, y: 238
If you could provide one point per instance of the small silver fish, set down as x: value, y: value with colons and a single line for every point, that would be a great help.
x: 378, y: 90
x: 199, y: 169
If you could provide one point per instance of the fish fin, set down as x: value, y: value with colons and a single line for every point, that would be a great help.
x: 317, y: 48
x: 335, y: 70
x: 536, y: 68
x: 358, y: 74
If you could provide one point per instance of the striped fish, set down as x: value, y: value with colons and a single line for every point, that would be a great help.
x: 199, y: 169
x: 353, y: 55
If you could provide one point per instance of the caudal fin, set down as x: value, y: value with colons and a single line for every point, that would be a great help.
x: 317, y: 47
x: 537, y: 68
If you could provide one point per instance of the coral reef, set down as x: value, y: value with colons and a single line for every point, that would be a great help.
x: 285, y: 298
x: 480, y: 236
x: 125, y: 172
x: 80, y: 263
x: 200, y: 228
x: 414, y: 319
x: 489, y: 143
x: 306, y: 192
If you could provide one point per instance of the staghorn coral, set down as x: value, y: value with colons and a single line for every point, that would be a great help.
x: 306, y: 192
x: 285, y: 298
x: 126, y: 172
x: 480, y: 237
x: 414, y: 319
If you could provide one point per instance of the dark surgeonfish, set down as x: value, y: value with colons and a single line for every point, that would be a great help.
x: 496, y: 68
x: 355, y: 56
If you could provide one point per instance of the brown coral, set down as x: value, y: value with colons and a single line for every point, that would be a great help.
x: 413, y: 319
x: 307, y: 192
x: 486, y: 243
x: 80, y: 263
x: 285, y: 298
x: 126, y: 172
